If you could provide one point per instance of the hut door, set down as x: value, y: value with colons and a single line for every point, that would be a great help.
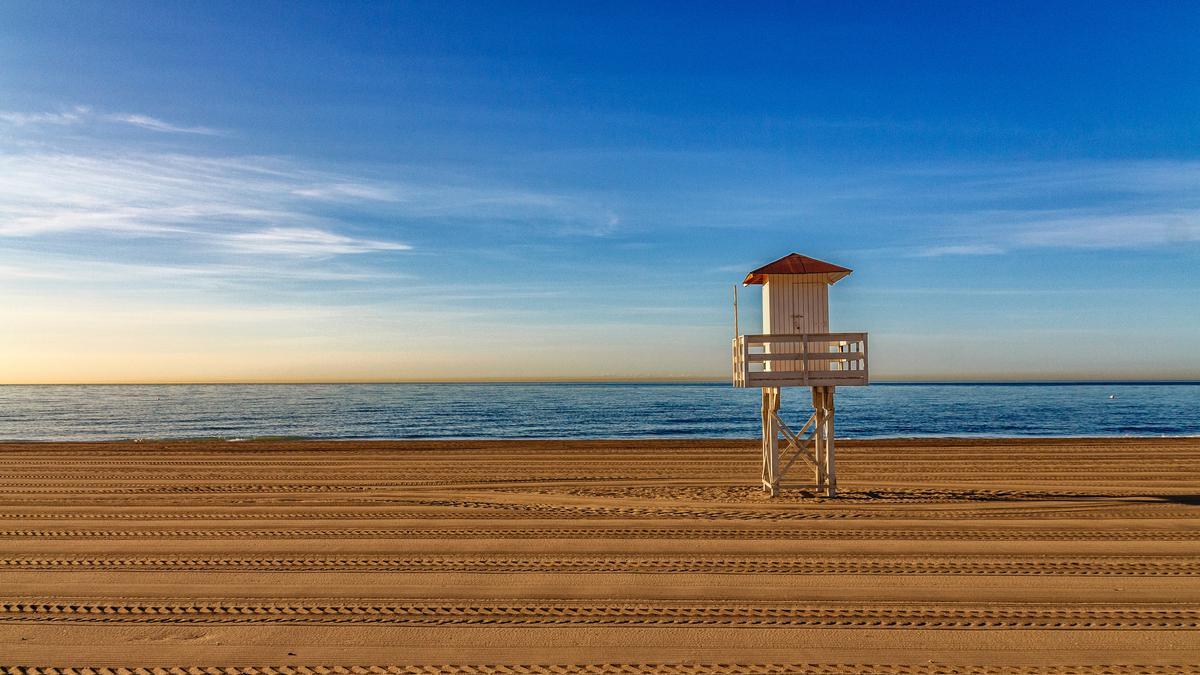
x: 799, y: 325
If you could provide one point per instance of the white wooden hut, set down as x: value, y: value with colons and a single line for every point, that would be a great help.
x: 796, y: 349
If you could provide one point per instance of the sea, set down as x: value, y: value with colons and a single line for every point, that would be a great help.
x: 585, y: 410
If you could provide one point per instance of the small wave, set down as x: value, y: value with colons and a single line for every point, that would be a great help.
x: 242, y: 413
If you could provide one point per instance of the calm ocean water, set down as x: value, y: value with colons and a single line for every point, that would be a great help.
x: 584, y: 410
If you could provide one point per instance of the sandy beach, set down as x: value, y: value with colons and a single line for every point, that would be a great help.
x: 996, y: 556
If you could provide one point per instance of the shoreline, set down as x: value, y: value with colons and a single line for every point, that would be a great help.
x: 866, y: 440
x: 722, y: 380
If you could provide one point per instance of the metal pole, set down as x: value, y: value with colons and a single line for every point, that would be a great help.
x: 736, y: 328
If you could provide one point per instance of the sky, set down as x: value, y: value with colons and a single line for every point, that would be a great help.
x: 230, y: 191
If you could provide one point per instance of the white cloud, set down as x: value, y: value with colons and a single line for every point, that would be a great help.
x: 1124, y: 227
x: 256, y: 204
x: 246, y: 204
x: 349, y: 191
x: 305, y: 242
x: 155, y: 124
x: 18, y: 266
x: 960, y: 249
x: 83, y: 310
x: 1136, y: 230
x: 242, y: 204
x: 124, y: 220
x: 1110, y: 205
x: 74, y: 115
x: 80, y: 114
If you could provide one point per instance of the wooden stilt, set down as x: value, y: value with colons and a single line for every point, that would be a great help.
x: 822, y: 437
x: 818, y: 440
x: 773, y: 441
x: 766, y: 412
x: 770, y: 409
x: 830, y: 457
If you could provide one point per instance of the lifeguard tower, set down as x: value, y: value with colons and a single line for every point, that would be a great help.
x: 796, y: 349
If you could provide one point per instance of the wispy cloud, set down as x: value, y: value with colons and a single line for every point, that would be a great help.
x: 155, y: 124
x: 199, y: 207
x: 75, y: 211
x: 46, y: 193
x: 79, y: 115
x: 66, y: 269
x: 994, y: 209
x: 1118, y: 227
x: 1111, y: 230
x: 271, y: 204
x: 959, y: 249
x: 352, y: 191
x: 305, y: 241
x: 75, y: 115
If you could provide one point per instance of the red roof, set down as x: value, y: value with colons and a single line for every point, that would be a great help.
x: 798, y: 264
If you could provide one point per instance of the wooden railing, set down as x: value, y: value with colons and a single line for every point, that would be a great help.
x: 801, y: 360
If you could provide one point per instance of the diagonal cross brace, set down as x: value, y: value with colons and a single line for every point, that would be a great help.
x: 795, y: 442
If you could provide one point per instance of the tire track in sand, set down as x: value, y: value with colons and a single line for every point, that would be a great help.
x: 947, y: 565
x: 623, y: 614
x: 618, y: 533
x: 623, y: 669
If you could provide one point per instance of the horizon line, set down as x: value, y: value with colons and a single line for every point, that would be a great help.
x: 586, y: 380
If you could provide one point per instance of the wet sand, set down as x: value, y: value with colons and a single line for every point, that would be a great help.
x: 941, y: 556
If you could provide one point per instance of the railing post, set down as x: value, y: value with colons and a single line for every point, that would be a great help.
x: 865, y: 356
x: 804, y: 356
x: 738, y: 380
x: 745, y: 361
x: 734, y: 357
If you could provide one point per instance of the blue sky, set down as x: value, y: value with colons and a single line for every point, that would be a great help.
x: 347, y: 191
